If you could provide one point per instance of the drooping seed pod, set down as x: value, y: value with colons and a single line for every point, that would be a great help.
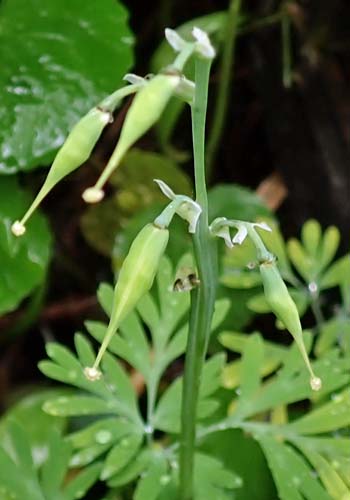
x: 283, y: 306
x: 144, y: 111
x: 77, y: 148
x: 135, y: 279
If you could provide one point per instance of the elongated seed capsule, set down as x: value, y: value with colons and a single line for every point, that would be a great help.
x: 77, y: 148
x: 283, y: 306
x: 135, y: 279
x: 144, y: 111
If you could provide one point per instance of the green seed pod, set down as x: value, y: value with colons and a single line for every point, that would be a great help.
x: 144, y: 111
x: 77, y: 147
x: 283, y: 306
x: 135, y: 279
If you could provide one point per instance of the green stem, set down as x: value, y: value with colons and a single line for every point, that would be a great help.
x: 202, y: 297
x: 221, y: 105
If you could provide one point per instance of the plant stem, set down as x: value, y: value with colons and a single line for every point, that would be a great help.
x: 202, y: 297
x: 221, y: 104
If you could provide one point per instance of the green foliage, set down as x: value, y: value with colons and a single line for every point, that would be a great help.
x: 60, y: 64
x: 20, y: 479
x: 294, y: 449
x: 120, y: 435
x: 23, y: 261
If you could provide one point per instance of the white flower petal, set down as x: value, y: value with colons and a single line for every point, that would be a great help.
x: 262, y: 225
x: 133, y: 79
x: 203, y: 45
x: 166, y: 190
x: 174, y: 40
x: 240, y: 236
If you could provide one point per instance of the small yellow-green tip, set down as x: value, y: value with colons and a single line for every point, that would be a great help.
x: 92, y: 373
x: 17, y: 228
x: 93, y: 195
x: 315, y: 383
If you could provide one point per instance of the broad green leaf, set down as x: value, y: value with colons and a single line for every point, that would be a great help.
x: 55, y: 467
x: 236, y: 202
x: 121, y: 454
x: 294, y: 478
x: 20, y: 449
x: 24, y: 260
x: 212, y: 479
x: 75, y: 54
x: 241, y: 455
x: 38, y: 424
x: 11, y: 487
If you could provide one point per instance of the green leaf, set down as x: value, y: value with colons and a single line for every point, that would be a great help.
x: 328, y: 475
x: 330, y: 243
x: 212, y: 479
x: 38, y: 424
x: 23, y: 260
x: 302, y: 262
x: 334, y: 331
x: 250, y: 372
x: 167, y: 414
x: 249, y: 463
x: 74, y: 55
x: 80, y: 484
x: 55, y: 466
x: 152, y: 480
x: 121, y: 454
x: 237, y: 342
x: 335, y: 274
x: 311, y: 237
x: 329, y: 417
x: 236, y: 202
x: 132, y: 470
x: 71, y: 406
x: 293, y: 476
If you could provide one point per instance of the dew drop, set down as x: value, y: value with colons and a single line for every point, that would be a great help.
x: 103, y: 436
x: 164, y: 480
x: 148, y: 428
x: 313, y: 287
x: 296, y: 481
